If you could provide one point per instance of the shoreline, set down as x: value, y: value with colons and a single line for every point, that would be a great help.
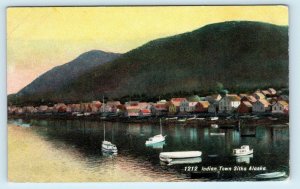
x: 232, y: 122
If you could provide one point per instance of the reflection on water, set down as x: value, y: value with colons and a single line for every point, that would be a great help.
x: 270, y: 144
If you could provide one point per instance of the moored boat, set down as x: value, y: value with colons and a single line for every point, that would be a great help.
x: 272, y: 175
x: 214, y: 126
x: 156, y: 138
x: 107, y: 146
x: 193, y: 160
x: 243, y: 151
x: 166, y: 156
x: 214, y: 118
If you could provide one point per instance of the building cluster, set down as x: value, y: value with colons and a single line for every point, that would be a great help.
x: 261, y: 101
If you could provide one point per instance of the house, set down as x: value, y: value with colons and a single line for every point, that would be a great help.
x: 245, y: 107
x: 229, y: 103
x: 29, y: 109
x: 259, y: 95
x: 213, y: 108
x: 159, y: 108
x: 42, y: 108
x: 266, y: 92
x: 272, y: 91
x: 202, y: 106
x: 85, y: 107
x: 97, y: 103
x: 284, y: 98
x: 191, y: 107
x: 260, y: 106
x: 75, y: 107
x: 174, y: 104
x: 213, y: 98
x: 184, y: 106
x: 144, y: 105
x: 249, y: 98
x: 144, y: 113
x: 113, y: 106
x: 132, y: 111
x: 280, y: 107
x: 19, y: 110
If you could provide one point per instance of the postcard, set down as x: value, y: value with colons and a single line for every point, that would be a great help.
x: 148, y: 93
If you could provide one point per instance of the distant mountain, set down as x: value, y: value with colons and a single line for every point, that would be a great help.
x: 236, y: 55
x: 59, y: 77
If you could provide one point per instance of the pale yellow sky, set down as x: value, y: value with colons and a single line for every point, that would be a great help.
x: 41, y: 38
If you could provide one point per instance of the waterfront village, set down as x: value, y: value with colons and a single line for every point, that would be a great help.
x: 262, y: 102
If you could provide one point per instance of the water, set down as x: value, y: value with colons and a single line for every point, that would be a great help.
x: 270, y: 144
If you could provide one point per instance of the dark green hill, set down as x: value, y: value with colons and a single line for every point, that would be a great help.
x: 60, y: 77
x: 239, y: 55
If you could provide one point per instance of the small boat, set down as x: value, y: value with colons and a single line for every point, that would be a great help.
x: 87, y: 114
x: 217, y: 134
x: 167, y: 156
x: 171, y: 118
x: 214, y: 118
x: 79, y: 115
x: 214, y: 126
x: 273, y: 118
x: 156, y: 138
x: 184, y: 161
x: 229, y: 117
x: 272, y: 175
x: 200, y: 118
x: 191, y: 118
x: 243, y: 151
x: 181, y: 120
x: 107, y: 146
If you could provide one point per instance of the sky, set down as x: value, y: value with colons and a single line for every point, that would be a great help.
x: 40, y: 38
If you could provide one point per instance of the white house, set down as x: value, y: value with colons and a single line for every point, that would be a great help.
x: 260, y: 106
x: 229, y: 103
x: 280, y: 107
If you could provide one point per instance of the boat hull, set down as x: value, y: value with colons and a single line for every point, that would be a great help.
x: 244, y: 153
x: 166, y: 156
x: 273, y: 175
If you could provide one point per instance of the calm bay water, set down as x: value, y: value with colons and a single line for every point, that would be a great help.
x: 270, y: 144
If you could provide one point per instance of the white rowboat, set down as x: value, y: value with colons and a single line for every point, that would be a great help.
x: 270, y: 175
x: 166, y: 156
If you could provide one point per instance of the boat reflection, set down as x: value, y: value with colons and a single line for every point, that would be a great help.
x: 158, y: 145
x: 109, y: 154
x: 181, y: 161
x: 244, y: 159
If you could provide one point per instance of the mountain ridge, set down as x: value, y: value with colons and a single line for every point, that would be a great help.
x: 239, y: 55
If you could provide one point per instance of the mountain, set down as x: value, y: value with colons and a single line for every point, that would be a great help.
x: 61, y: 76
x: 237, y: 55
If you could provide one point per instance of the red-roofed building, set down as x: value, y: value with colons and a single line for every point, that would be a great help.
x: 145, y: 112
x: 202, y: 106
